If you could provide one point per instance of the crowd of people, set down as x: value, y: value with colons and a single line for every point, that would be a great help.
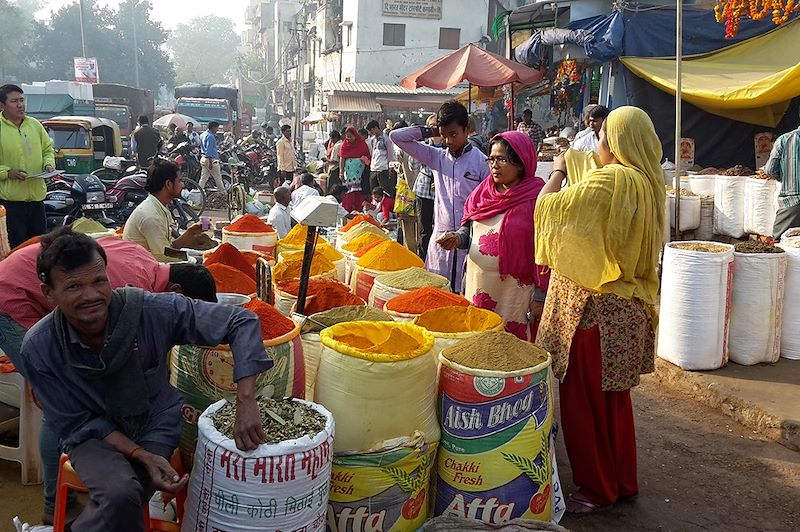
x: 568, y: 260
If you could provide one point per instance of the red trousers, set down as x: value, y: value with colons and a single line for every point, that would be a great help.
x: 598, y: 426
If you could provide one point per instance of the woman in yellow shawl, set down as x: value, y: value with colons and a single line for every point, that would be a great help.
x: 601, y: 237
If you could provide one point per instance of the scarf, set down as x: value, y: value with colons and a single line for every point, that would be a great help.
x: 604, y: 232
x: 356, y: 149
x: 516, y: 230
x: 118, y: 371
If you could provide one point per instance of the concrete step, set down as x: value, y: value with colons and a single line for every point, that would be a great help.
x: 765, y: 398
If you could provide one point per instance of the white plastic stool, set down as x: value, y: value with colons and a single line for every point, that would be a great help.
x: 30, y: 422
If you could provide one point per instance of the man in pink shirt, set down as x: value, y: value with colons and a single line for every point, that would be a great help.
x: 22, y: 304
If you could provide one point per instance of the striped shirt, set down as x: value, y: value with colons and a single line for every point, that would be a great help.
x: 784, y: 165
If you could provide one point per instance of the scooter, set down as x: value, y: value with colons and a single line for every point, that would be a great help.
x: 129, y: 192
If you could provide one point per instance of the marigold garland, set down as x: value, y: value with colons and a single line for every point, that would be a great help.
x: 730, y: 12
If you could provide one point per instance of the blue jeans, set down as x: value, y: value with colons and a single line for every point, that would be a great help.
x: 11, y: 335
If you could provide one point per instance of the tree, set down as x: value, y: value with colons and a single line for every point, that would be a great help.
x: 16, y: 20
x: 109, y: 38
x: 205, y: 50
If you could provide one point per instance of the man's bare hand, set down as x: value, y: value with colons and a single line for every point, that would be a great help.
x: 163, y: 477
x: 448, y: 241
x: 49, y: 168
x: 248, y: 431
x: 18, y: 175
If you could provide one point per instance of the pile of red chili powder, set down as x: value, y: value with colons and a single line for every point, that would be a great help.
x: 250, y: 223
x: 273, y: 324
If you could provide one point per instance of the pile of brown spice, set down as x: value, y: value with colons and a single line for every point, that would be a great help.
x: 754, y: 246
x: 283, y: 419
x: 705, y: 247
x: 496, y: 350
x: 738, y: 170
x: 709, y: 171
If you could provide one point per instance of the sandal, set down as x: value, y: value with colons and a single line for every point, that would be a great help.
x: 578, y: 504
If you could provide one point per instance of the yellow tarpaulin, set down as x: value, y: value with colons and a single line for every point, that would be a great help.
x: 751, y: 81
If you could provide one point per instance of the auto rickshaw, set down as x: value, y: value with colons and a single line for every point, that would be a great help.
x: 82, y: 142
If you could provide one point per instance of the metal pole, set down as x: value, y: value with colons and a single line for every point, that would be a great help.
x: 83, y: 32
x: 678, y: 98
x: 135, y: 48
x: 469, y: 98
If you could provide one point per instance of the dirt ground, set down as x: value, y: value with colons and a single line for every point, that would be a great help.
x: 698, y: 471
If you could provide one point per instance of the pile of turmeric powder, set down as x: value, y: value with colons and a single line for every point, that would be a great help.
x: 360, y: 229
x: 290, y: 265
x: 297, y: 236
x: 389, y: 256
x: 458, y: 319
x: 364, y: 240
x: 358, y: 219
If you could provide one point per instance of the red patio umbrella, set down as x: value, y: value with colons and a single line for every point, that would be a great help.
x: 473, y: 64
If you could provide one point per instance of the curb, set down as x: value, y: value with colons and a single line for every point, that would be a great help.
x: 703, y: 388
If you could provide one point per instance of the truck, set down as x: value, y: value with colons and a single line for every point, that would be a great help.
x: 123, y: 104
x: 58, y: 98
x: 207, y: 103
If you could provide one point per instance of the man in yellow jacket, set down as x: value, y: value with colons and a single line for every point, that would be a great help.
x: 25, y: 152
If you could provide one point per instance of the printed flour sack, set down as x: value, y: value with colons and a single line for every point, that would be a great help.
x: 277, y: 487
x: 695, y: 304
x: 757, y: 304
x: 494, y: 461
x: 383, y: 490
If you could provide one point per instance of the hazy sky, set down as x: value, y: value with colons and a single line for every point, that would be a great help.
x: 173, y: 12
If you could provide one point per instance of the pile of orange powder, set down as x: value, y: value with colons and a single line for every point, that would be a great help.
x: 322, y: 295
x: 424, y: 299
x: 250, y: 223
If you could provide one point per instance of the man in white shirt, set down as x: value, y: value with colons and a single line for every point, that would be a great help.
x: 305, y: 190
x: 279, y: 217
x: 590, y: 141
x: 150, y: 224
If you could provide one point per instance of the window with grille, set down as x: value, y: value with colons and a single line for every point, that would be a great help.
x: 394, y: 34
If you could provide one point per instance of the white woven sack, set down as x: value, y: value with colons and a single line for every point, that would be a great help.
x: 282, y: 486
x: 690, y: 212
x: 757, y: 308
x: 695, y: 298
x: 706, y: 229
x: 760, y: 206
x: 790, y: 340
x: 703, y: 185
x: 729, y: 206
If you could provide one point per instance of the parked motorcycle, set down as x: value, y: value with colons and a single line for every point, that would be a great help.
x: 70, y: 197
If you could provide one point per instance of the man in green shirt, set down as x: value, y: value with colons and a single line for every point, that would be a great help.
x: 25, y: 152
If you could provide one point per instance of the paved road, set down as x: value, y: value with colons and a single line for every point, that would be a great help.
x: 699, y: 471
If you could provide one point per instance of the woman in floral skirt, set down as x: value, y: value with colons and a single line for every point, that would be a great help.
x: 498, y: 231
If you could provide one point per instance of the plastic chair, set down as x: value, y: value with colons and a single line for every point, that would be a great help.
x: 30, y: 421
x: 68, y: 480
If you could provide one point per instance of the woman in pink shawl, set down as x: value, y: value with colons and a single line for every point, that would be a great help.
x: 497, y: 228
x: 353, y: 156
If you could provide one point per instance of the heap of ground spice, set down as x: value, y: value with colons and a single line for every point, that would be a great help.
x: 458, y: 320
x: 389, y: 256
x: 358, y: 219
x: 250, y: 223
x: 229, y: 279
x: 753, y: 246
x: 398, y: 343
x: 363, y: 240
x: 291, y: 264
x: 228, y: 255
x: 292, y: 286
x: 252, y: 256
x: 424, y: 299
x: 323, y: 294
x: 495, y: 350
x: 363, y: 251
x: 411, y: 279
x: 273, y: 324
x: 297, y: 236
x: 360, y: 229
x: 321, y: 320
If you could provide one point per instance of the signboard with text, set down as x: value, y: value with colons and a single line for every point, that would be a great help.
x: 413, y: 8
x: 86, y: 70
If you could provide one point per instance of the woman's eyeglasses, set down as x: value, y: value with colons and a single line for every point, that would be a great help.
x: 499, y: 161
